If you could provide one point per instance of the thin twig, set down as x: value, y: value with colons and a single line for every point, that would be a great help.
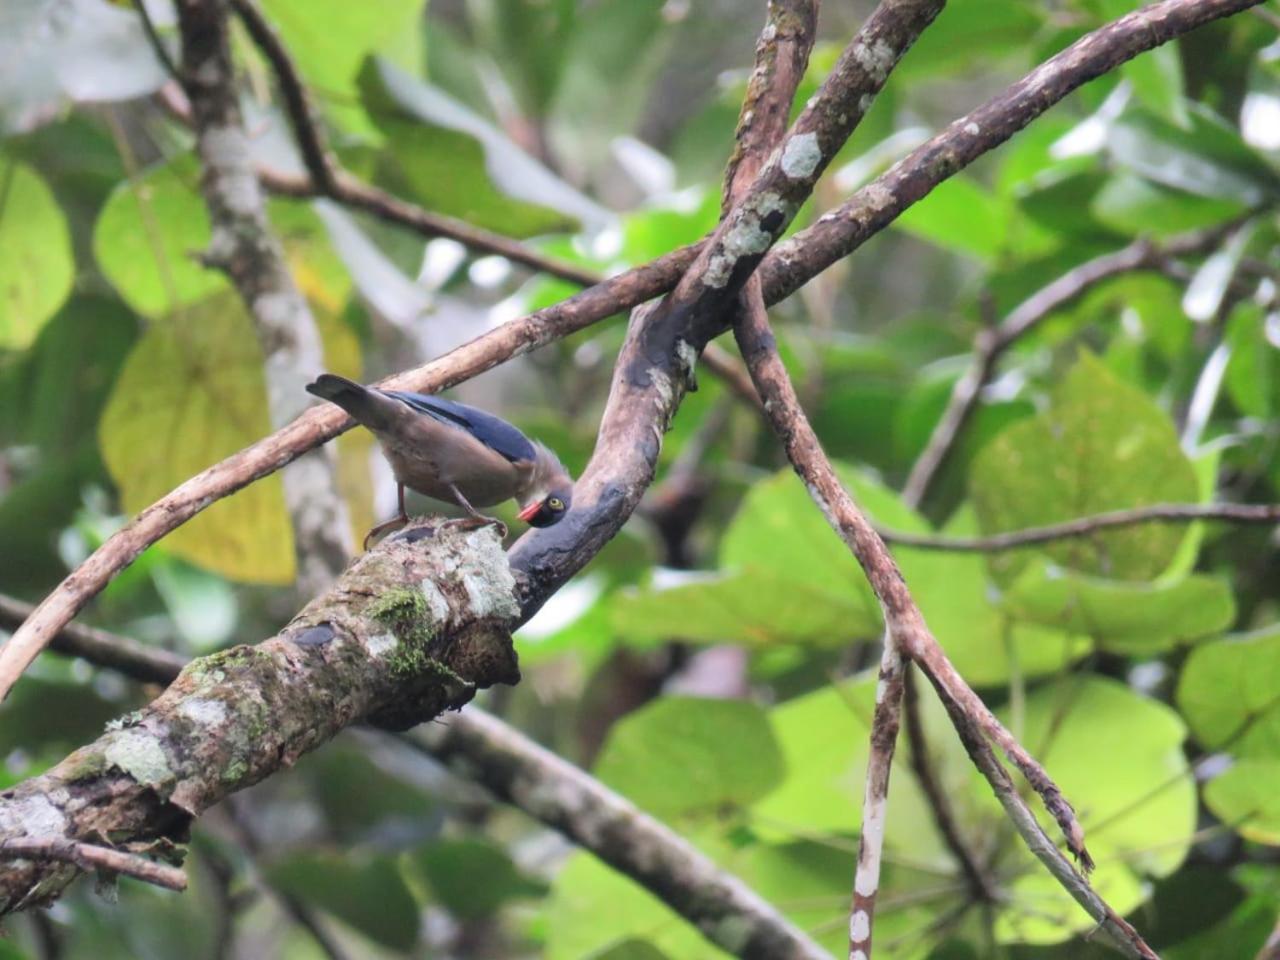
x: 326, y: 178
x: 981, y: 886
x: 89, y: 856
x: 991, y: 344
x: 1086, y: 526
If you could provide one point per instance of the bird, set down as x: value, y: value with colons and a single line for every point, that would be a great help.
x: 455, y: 453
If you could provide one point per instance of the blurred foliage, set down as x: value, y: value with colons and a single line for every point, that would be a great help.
x: 1140, y: 664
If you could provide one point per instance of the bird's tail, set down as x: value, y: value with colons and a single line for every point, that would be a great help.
x: 370, y: 407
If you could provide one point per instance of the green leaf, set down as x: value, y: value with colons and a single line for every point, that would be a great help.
x: 36, y: 262
x: 984, y: 642
x: 779, y: 529
x: 1157, y: 80
x: 146, y: 235
x: 1102, y: 445
x: 962, y: 216
x: 458, y: 163
x: 1228, y: 693
x: 1247, y: 799
x: 754, y: 606
x: 472, y: 878
x: 1252, y: 377
x: 330, y: 39
x: 1136, y: 207
x: 1208, y: 160
x: 1135, y: 619
x: 365, y: 891
x: 968, y: 32
x: 682, y: 755
x: 191, y: 393
x: 594, y: 909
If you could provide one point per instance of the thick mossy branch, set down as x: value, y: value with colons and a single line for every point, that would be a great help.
x: 410, y: 630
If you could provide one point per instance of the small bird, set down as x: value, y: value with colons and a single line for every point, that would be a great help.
x: 454, y: 453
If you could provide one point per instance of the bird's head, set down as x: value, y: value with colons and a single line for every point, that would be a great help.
x: 551, y: 491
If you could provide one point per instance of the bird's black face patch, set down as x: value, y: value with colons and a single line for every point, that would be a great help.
x: 552, y: 508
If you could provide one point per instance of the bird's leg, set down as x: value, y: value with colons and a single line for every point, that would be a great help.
x: 474, y: 518
x: 397, y: 521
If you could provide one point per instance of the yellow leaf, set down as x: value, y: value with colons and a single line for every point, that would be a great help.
x: 190, y: 394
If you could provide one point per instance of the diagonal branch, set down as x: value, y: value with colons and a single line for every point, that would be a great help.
x: 243, y: 246
x: 786, y: 269
x: 907, y: 637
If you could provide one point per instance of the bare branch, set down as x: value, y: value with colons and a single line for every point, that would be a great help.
x: 243, y: 246
x: 134, y: 659
x: 981, y: 885
x: 90, y: 856
x: 1085, y: 526
x: 907, y: 635
x: 990, y: 345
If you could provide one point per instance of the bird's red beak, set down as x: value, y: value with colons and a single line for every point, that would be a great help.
x: 531, y: 511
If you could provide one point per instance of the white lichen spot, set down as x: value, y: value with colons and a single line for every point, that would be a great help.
x: 859, y: 926
x: 226, y: 150
x: 33, y: 816
x: 437, y: 602
x: 203, y: 711
x: 881, y: 688
x: 875, y: 58
x: 381, y: 645
x: 864, y: 103
x: 687, y: 355
x: 878, y: 196
x: 972, y: 129
x: 801, y: 156
x: 139, y: 754
x: 857, y: 955
x: 276, y: 310
x: 664, y: 391
x: 770, y: 31
x: 719, y: 268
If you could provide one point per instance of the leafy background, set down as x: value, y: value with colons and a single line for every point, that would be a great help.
x: 1141, y: 664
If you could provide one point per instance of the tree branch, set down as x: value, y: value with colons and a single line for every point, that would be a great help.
x: 411, y: 629
x: 243, y: 246
x: 1085, y: 526
x: 478, y: 746
x: 907, y: 635
x: 794, y: 261
x: 990, y: 345
x: 327, y: 178
x: 90, y: 856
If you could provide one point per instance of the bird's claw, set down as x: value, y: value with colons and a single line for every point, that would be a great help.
x: 475, y: 523
x: 394, y: 522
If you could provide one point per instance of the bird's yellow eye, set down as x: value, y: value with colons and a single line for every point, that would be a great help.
x: 555, y: 503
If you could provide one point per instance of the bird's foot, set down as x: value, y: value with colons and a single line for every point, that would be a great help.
x: 478, y: 521
x: 395, y: 523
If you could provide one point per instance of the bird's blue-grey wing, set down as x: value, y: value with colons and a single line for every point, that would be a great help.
x: 493, y: 432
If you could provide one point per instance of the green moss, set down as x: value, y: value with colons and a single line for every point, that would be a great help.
x: 86, y: 764
x: 235, y: 771
x: 406, y: 614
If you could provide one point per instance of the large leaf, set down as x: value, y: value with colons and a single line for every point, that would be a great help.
x: 1129, y: 618
x: 52, y: 51
x: 1230, y: 693
x: 458, y: 163
x: 191, y: 393
x: 146, y: 235
x: 36, y: 263
x: 1247, y: 798
x: 473, y: 878
x: 682, y: 755
x: 1102, y: 445
x: 330, y: 39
